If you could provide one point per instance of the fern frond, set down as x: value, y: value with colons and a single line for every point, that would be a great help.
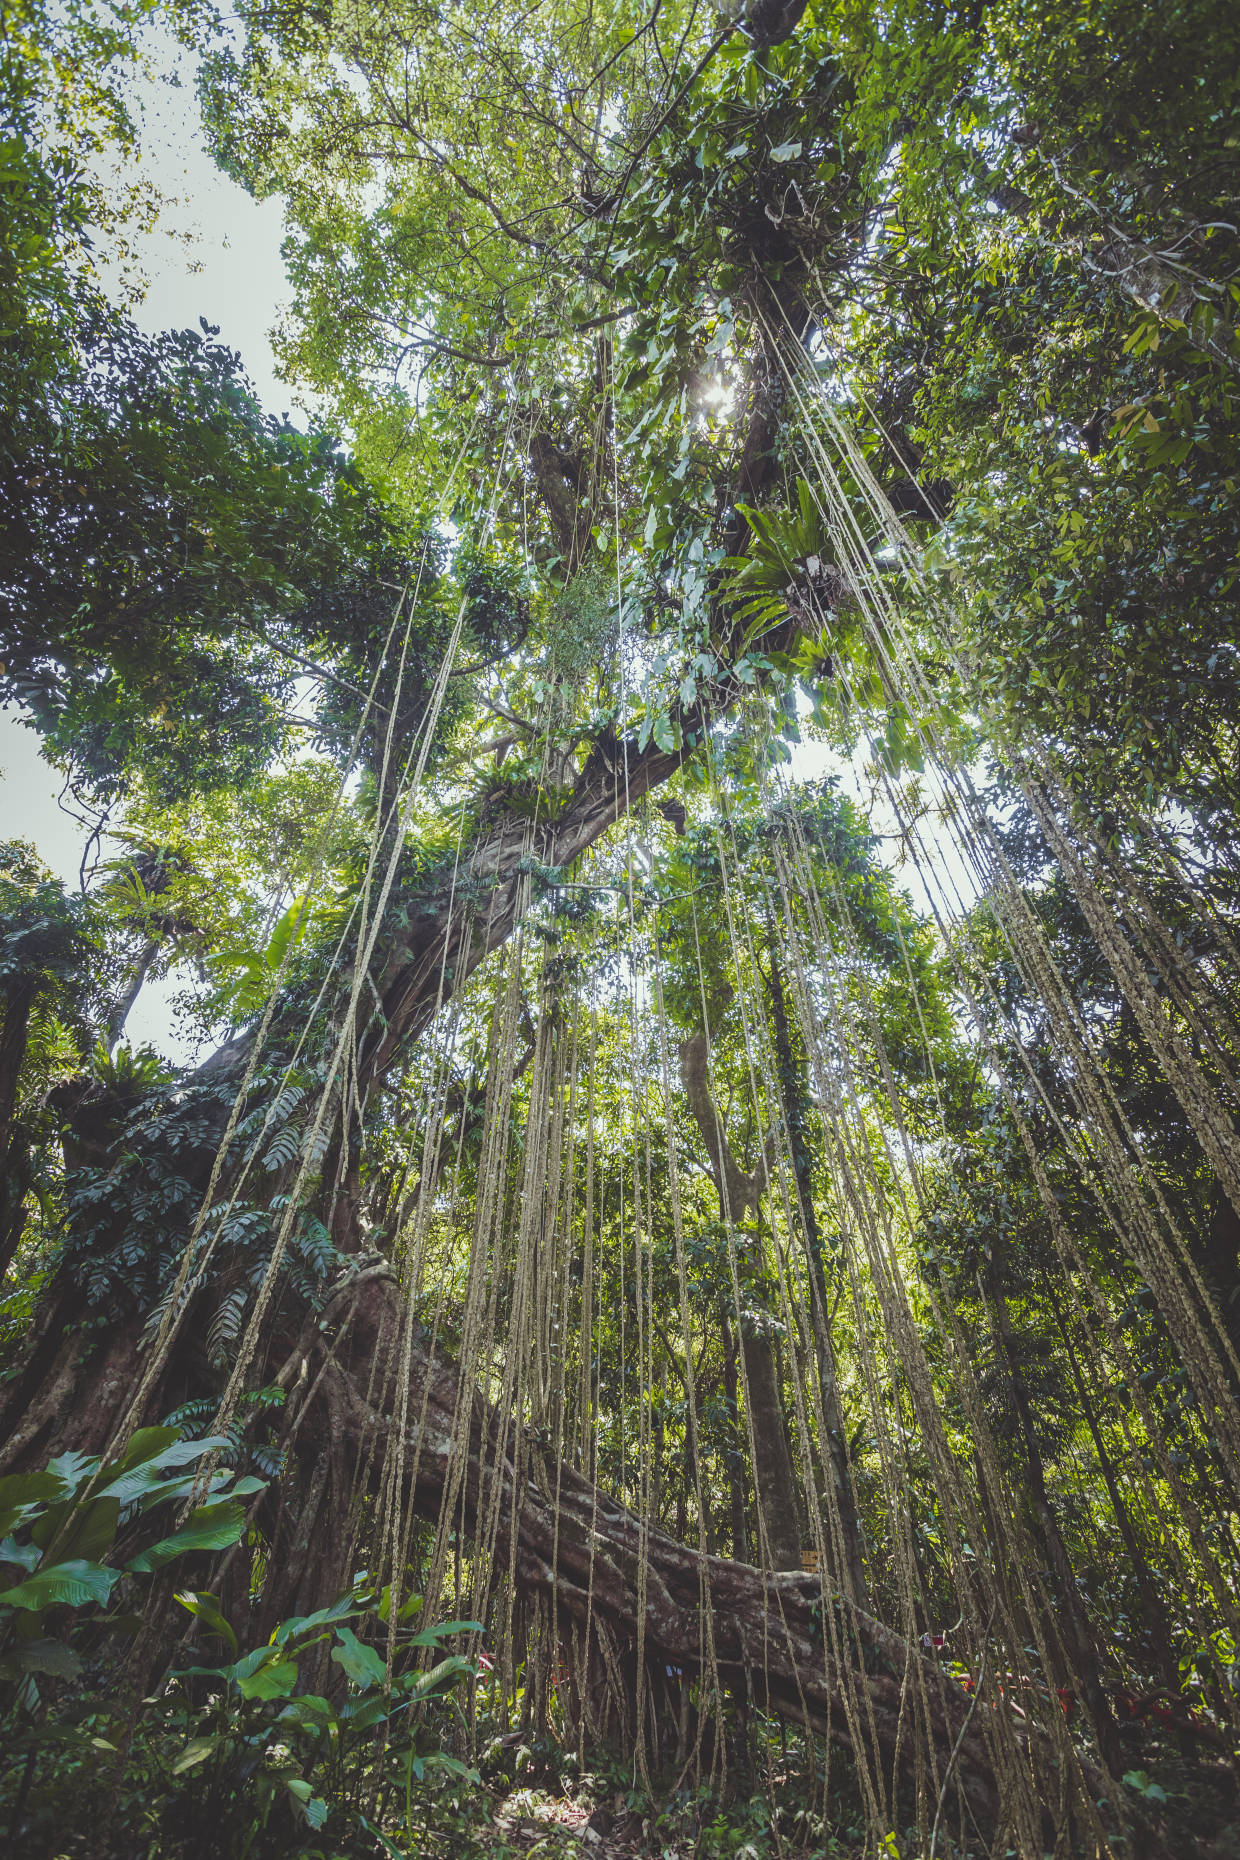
x: 283, y: 1149
x: 225, y: 1326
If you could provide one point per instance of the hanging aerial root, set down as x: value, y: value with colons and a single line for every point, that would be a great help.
x: 781, y: 1640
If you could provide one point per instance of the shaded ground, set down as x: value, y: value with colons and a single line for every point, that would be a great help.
x: 591, y: 1819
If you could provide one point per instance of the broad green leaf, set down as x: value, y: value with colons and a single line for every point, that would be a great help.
x: 310, y: 1710
x: 211, y: 1527
x: 72, y: 1585
x: 411, y: 1605
x: 361, y: 1713
x: 195, y: 1752
x: 207, y: 1609
x: 360, y: 1664
x: 664, y: 732
x: 23, y: 1494
x: 312, y: 1806
x: 146, y: 1443
x: 73, y: 1468
x: 275, y: 1680
x: 455, y: 1767
x: 75, y: 1530
x: 345, y: 1609
x: 152, y: 1453
x: 431, y: 1636
x: 48, y: 1656
x: 443, y: 1676
x: 26, y: 1556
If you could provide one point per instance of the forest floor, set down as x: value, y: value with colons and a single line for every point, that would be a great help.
x: 590, y: 1820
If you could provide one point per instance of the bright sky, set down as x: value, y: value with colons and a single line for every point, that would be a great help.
x: 215, y: 253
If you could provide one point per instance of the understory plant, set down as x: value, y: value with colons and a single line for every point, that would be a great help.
x: 236, y: 1758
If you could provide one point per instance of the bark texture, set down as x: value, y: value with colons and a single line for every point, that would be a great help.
x: 780, y: 1638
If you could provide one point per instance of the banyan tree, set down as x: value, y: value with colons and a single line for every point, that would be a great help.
x: 699, y: 855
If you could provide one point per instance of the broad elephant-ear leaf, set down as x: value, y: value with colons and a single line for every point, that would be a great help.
x: 53, y: 1657
x: 70, y: 1585
x: 207, y: 1610
x: 275, y: 1679
x: 22, y: 1495
x: 361, y: 1664
x: 76, y: 1531
x: 211, y: 1527
x: 153, y: 1453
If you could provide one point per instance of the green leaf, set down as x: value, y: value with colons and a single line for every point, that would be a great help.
x: 207, y: 1609
x: 442, y: 1677
x: 22, y: 1494
x: 274, y: 1680
x: 71, y: 1585
x: 361, y: 1713
x: 1144, y: 1786
x: 431, y: 1636
x: 73, y: 1468
x: 144, y: 1444
x: 75, y: 1530
x: 664, y: 734
x: 153, y: 1452
x: 360, y: 1664
x: 195, y: 1752
x: 345, y: 1609
x: 454, y: 1767
x: 411, y: 1605
x: 312, y: 1806
x: 787, y: 151
x: 211, y: 1527
x: 26, y: 1556
x: 310, y: 1711
x: 47, y: 1656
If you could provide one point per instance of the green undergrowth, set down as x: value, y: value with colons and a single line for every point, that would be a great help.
x: 355, y: 1729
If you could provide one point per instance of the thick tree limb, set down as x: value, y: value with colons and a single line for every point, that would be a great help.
x: 782, y: 1639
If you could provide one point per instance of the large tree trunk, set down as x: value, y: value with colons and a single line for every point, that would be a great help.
x: 784, y: 1640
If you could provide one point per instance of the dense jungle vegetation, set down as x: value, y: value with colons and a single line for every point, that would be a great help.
x: 689, y: 1302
